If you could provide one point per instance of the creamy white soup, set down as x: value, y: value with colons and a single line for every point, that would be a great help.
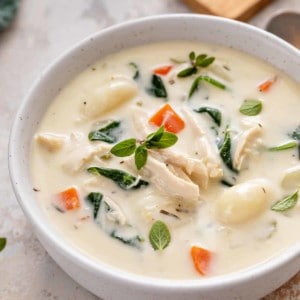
x: 174, y: 160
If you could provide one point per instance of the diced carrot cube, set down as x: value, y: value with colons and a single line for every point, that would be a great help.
x: 201, y: 259
x: 164, y: 70
x: 67, y: 199
x: 169, y: 118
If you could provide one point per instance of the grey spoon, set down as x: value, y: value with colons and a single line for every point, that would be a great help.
x: 287, y: 26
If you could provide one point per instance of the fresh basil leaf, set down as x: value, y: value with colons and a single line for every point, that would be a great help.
x: 136, y: 70
x: 187, y: 72
x: 123, y: 179
x: 2, y: 243
x: 286, y: 146
x: 214, y: 113
x: 286, y: 203
x: 207, y: 79
x: 159, y: 236
x: 158, y: 88
x: 167, y: 140
x: 95, y: 199
x: 140, y: 157
x: 225, y: 151
x: 124, y: 148
x: 205, y: 62
x: 107, y: 132
x: 251, y: 107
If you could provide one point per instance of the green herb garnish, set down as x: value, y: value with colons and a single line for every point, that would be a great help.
x: 2, y: 243
x: 159, y: 236
x: 251, y: 107
x: 214, y: 113
x: 225, y: 151
x: 158, y: 88
x: 124, y: 180
x: 8, y: 10
x: 95, y: 199
x: 108, y: 132
x: 207, y: 79
x: 286, y: 203
x: 199, y: 61
x: 286, y: 146
x: 135, y: 69
x: 159, y: 139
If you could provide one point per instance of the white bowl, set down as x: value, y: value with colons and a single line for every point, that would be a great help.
x: 103, y: 280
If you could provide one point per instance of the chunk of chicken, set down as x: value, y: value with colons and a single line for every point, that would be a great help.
x: 247, y: 142
x: 115, y: 214
x: 140, y: 122
x: 108, y: 96
x: 194, y: 168
x: 168, y: 183
x: 78, y: 157
x: 204, y: 148
x: 50, y: 141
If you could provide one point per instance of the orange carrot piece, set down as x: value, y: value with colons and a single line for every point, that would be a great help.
x: 201, y: 258
x: 67, y: 199
x: 164, y: 70
x: 169, y: 118
x: 266, y: 85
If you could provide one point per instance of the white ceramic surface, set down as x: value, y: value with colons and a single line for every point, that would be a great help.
x: 104, y: 280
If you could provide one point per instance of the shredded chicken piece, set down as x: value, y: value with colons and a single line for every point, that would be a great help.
x: 116, y: 215
x: 50, y: 141
x: 247, y: 141
x: 140, y: 122
x: 204, y: 149
x: 194, y: 168
x: 167, y: 182
x: 78, y: 157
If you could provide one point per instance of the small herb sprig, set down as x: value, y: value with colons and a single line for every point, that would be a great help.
x: 159, y: 139
x: 251, y: 107
x: 286, y: 203
x: 199, y: 61
x: 159, y: 235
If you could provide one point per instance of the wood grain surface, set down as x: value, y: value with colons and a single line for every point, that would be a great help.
x: 234, y: 9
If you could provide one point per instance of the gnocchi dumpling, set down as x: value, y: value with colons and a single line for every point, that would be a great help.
x: 242, y: 202
x: 109, y: 95
x: 291, y: 178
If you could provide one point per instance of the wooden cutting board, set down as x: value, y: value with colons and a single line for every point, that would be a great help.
x: 234, y: 9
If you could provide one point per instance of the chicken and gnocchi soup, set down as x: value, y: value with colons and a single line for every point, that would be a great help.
x: 174, y: 160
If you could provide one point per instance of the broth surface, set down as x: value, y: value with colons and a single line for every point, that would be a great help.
x: 235, y: 224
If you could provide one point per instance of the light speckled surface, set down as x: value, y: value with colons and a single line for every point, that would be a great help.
x: 42, y: 31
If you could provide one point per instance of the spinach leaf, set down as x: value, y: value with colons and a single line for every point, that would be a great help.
x: 225, y: 151
x: 207, y: 79
x: 286, y: 203
x: 136, y: 70
x: 214, y: 113
x: 2, y: 243
x: 108, y: 132
x: 158, y: 88
x: 124, y: 180
x: 8, y: 10
x: 295, y: 135
x: 132, y: 241
x: 95, y: 199
x: 159, y: 235
x: 251, y: 107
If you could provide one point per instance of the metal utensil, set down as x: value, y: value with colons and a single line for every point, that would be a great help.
x: 287, y: 26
